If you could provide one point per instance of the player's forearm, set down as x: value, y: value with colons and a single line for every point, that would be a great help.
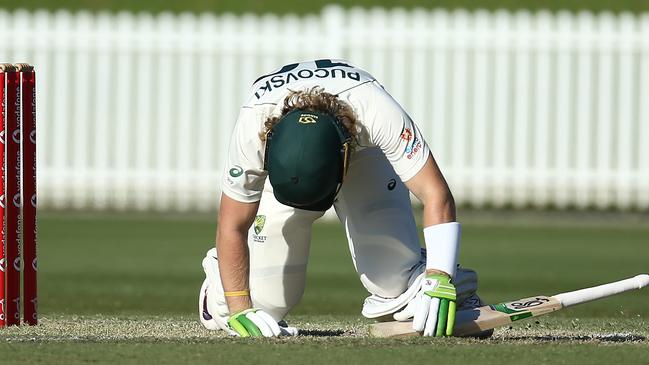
x: 234, y: 268
x: 235, y: 219
x: 430, y: 187
x: 442, y: 237
x: 441, y: 231
x: 440, y: 208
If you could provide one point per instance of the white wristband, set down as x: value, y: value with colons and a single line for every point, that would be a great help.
x: 442, y: 246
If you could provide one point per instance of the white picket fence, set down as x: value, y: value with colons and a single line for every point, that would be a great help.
x: 522, y: 109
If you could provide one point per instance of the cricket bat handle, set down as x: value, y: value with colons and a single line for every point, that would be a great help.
x: 602, y: 291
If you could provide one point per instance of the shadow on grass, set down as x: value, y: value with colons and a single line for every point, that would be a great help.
x: 615, y: 337
x: 322, y: 333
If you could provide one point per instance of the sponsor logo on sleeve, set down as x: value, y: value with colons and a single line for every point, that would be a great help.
x: 412, y: 148
x: 413, y: 144
x: 406, y: 134
x: 236, y: 171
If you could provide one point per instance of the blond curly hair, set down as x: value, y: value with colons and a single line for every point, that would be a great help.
x: 315, y: 100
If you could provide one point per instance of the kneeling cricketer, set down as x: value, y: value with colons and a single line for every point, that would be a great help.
x: 310, y: 136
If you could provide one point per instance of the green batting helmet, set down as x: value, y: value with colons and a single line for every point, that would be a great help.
x: 306, y: 158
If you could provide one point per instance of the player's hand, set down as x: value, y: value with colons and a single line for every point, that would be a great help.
x: 434, y: 307
x: 435, y: 314
x: 257, y: 323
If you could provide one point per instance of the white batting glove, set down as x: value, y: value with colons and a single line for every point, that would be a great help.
x: 257, y: 323
x: 433, y: 309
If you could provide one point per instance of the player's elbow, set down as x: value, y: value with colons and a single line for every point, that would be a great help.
x: 444, y: 200
x: 442, y: 204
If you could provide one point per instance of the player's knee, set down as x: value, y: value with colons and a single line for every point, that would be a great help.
x: 386, y: 286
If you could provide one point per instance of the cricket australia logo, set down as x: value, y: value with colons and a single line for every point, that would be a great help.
x: 308, y: 119
x: 260, y: 220
x: 258, y: 226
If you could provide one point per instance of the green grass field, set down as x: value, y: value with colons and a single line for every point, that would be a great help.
x: 315, y: 6
x: 122, y: 289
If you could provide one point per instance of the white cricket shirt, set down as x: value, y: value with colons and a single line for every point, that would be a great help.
x: 382, y: 122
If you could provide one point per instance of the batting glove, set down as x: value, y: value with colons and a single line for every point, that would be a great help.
x: 433, y: 308
x: 257, y: 323
x: 436, y: 312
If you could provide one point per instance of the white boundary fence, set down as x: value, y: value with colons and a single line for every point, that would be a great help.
x: 520, y: 109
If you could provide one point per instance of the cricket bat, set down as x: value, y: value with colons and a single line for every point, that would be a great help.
x: 475, y: 320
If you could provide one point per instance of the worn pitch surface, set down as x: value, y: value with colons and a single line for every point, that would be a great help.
x: 122, y: 289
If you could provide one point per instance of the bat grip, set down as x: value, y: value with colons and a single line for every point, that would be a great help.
x: 602, y: 291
